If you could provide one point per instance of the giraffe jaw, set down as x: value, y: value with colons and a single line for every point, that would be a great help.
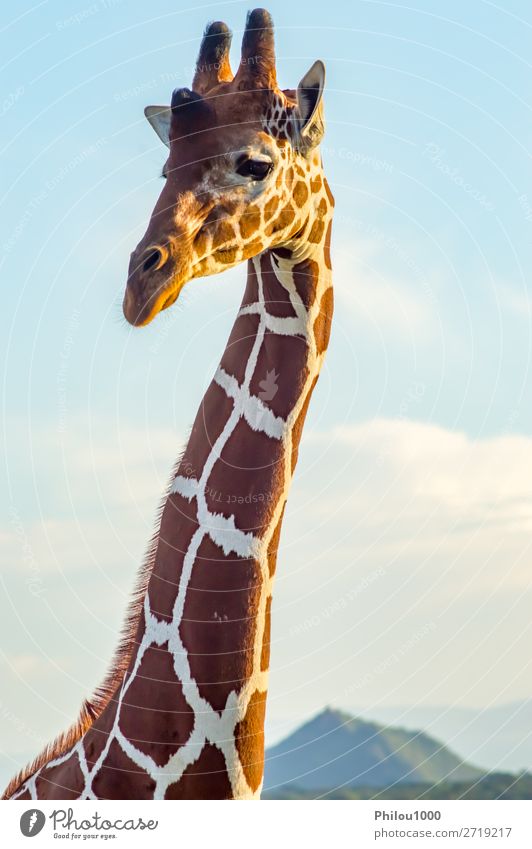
x: 140, y: 314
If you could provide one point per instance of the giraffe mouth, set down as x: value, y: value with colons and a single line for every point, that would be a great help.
x: 141, y: 311
x: 169, y: 300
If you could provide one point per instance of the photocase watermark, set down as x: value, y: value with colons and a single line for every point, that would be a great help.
x: 182, y: 76
x: 87, y: 825
x: 140, y: 88
x: 187, y: 470
x: 337, y: 605
x: 510, y: 421
x: 82, y: 15
x: 416, y: 391
x: 268, y: 386
x: 359, y: 158
x: 238, y: 498
x: 32, y: 822
x: 33, y: 579
x: 7, y: 716
x: 393, y: 659
x: 268, y: 389
x: 62, y: 373
x: 77, y: 160
x: 390, y: 243
x: 10, y: 99
x: 49, y: 186
x: 436, y: 154
x: 526, y: 206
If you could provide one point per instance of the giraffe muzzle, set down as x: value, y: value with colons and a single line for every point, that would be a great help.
x: 150, y: 285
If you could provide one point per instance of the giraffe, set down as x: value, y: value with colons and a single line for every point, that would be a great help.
x: 181, y: 712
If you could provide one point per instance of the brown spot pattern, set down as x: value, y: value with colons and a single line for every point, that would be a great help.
x: 247, y: 478
x: 249, y: 739
x: 316, y: 232
x: 254, y: 248
x: 274, y: 544
x: 316, y: 184
x: 328, y: 191
x: 322, y: 324
x: 236, y: 355
x: 206, y: 778
x: 219, y: 621
x: 60, y: 782
x: 225, y: 232
x: 250, y: 221
x: 155, y: 716
x: 298, y: 425
x: 283, y: 220
x: 292, y: 353
x: 178, y: 525
x: 97, y: 735
x: 300, y: 193
x: 202, y: 243
x: 265, y: 651
x: 121, y: 778
x: 271, y: 207
x: 306, y: 277
x: 210, y: 420
x: 327, y: 247
x: 276, y: 297
x: 218, y: 627
x: 251, y: 293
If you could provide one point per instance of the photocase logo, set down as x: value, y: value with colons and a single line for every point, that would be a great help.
x: 32, y: 822
x: 268, y: 386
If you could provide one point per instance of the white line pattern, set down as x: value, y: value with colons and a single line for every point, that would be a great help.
x: 209, y: 725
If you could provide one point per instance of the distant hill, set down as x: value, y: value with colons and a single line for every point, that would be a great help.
x: 494, y: 786
x: 335, y: 749
x: 496, y: 738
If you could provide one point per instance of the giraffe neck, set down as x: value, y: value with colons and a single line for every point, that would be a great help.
x: 187, y: 719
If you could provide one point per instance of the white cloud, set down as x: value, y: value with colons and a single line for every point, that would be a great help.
x: 394, y: 529
x: 423, y: 466
x: 404, y: 534
x: 518, y: 301
x: 403, y: 303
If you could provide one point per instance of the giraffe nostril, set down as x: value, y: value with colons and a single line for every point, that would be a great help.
x: 155, y: 259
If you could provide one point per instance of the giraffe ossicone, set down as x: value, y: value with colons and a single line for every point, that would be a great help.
x: 181, y: 712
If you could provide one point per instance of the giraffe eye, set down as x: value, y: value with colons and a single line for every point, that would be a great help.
x: 257, y: 169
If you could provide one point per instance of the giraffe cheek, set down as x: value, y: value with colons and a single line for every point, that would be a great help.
x: 300, y: 193
x: 250, y: 221
x: 201, y: 243
x: 224, y: 233
x: 254, y: 248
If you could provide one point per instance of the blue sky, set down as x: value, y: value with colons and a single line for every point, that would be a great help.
x: 407, y: 538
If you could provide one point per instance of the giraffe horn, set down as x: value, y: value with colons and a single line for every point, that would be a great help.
x: 213, y: 65
x: 257, y: 65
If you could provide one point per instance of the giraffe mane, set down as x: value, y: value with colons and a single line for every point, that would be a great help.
x: 94, y: 706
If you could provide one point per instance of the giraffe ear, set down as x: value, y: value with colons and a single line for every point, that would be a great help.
x: 309, y: 107
x: 160, y: 117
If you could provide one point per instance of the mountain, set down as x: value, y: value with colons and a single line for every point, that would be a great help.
x: 336, y: 749
x: 494, y: 786
x: 496, y: 738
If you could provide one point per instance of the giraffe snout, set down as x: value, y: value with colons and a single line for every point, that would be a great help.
x: 147, y: 283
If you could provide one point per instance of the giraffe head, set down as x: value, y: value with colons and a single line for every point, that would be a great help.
x: 243, y: 172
